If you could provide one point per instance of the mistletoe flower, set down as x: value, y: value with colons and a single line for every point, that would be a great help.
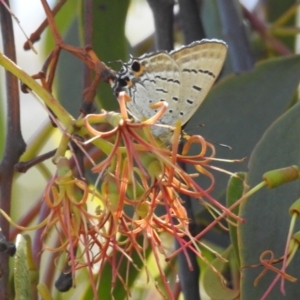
x: 141, y: 183
x: 67, y: 197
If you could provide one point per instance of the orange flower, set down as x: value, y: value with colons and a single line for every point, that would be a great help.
x: 141, y: 183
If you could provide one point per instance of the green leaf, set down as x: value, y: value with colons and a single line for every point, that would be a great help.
x: 267, y: 212
x: 241, y: 107
x: 69, y: 79
x: 212, y: 283
x: 21, y: 271
x: 234, y: 192
x: 211, y: 20
x: 109, y: 41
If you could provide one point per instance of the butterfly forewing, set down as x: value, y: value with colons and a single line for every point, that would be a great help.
x: 200, y: 64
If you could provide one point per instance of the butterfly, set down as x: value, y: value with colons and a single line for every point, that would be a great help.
x: 181, y: 77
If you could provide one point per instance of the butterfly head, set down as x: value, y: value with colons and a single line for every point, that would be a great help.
x: 128, y: 75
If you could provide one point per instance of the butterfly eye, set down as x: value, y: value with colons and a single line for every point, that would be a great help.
x: 136, y: 66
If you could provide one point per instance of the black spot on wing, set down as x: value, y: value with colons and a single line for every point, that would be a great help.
x: 181, y: 113
x: 189, y: 101
x: 197, y: 88
x: 174, y: 81
x: 162, y: 90
x: 166, y: 79
x: 175, y: 99
x: 147, y: 79
x: 190, y: 71
x: 207, y: 72
x: 159, y: 77
x: 136, y: 66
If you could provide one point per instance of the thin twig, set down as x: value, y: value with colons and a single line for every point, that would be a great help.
x: 14, y: 145
x: 163, y: 19
x: 191, y: 23
x: 262, y: 29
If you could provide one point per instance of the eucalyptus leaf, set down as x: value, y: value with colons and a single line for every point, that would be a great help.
x: 213, y: 283
x: 267, y: 212
x: 235, y: 191
x: 240, y: 108
x: 21, y: 271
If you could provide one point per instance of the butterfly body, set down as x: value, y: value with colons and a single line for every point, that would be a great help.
x: 181, y: 77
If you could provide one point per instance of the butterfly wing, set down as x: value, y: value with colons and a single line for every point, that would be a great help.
x: 157, y: 80
x: 200, y: 64
x: 182, y: 78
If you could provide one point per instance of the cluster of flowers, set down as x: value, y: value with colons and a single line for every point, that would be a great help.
x: 141, y: 182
